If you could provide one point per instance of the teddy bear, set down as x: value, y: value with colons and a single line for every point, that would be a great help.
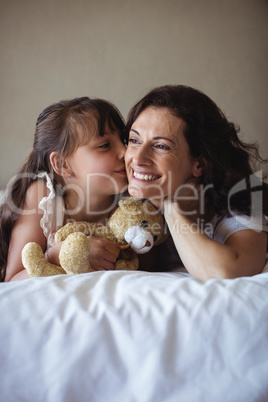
x: 135, y: 226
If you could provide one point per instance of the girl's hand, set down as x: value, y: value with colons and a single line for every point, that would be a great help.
x: 101, y: 257
x: 52, y: 253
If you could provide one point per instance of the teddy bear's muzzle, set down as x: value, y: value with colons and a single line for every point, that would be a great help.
x: 141, y: 240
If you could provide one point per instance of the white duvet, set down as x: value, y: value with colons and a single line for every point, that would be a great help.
x: 134, y: 337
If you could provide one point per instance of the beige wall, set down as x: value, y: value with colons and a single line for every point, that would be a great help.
x: 118, y: 49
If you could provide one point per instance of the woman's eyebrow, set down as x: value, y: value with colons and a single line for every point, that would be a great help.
x: 135, y: 131
x: 155, y: 138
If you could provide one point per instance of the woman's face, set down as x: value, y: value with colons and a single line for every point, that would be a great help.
x: 158, y: 160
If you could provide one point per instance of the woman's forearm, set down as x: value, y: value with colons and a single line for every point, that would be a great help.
x: 203, y: 257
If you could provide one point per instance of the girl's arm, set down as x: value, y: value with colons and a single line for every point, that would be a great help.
x: 27, y: 229
x: 243, y: 253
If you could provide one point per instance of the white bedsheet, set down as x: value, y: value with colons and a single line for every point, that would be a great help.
x: 134, y: 337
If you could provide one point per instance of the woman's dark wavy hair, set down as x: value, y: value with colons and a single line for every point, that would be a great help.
x: 56, y: 130
x: 209, y: 134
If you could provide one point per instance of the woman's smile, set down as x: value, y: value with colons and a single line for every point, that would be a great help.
x: 144, y: 175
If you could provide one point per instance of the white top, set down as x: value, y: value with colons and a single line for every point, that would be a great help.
x: 222, y: 228
x: 53, y: 208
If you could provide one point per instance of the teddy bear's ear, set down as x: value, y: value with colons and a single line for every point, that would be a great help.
x: 150, y: 208
x: 138, y: 205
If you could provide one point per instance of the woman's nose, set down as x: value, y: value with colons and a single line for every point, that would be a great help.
x: 141, y: 156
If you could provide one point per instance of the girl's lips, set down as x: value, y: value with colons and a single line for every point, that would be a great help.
x: 144, y: 176
x: 122, y: 172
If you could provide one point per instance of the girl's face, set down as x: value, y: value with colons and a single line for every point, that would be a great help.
x: 98, y: 167
x: 158, y: 160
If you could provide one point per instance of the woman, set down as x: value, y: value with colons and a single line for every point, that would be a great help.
x: 186, y: 157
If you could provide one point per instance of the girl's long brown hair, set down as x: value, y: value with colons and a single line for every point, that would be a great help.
x: 56, y: 130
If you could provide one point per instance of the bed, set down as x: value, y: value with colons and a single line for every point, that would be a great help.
x: 126, y: 336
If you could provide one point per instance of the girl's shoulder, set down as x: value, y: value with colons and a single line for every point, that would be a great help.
x: 35, y: 193
x: 40, y: 191
x: 41, y: 199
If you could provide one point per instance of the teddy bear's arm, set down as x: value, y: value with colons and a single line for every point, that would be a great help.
x: 35, y: 263
x: 87, y: 228
x: 74, y: 254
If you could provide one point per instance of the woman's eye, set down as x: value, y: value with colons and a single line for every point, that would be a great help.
x: 162, y: 146
x: 132, y: 141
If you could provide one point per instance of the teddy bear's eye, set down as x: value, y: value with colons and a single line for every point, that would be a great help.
x: 155, y: 237
x: 144, y: 224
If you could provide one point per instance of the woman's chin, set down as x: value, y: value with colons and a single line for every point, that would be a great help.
x: 135, y: 191
x: 138, y: 192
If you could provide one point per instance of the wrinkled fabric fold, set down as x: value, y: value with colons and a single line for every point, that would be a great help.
x: 134, y: 336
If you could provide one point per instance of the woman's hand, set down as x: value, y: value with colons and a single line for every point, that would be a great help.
x: 189, y: 199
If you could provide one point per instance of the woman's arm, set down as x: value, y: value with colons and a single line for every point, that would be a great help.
x: 27, y: 229
x: 243, y: 253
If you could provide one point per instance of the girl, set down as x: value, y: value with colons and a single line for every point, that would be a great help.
x: 186, y: 157
x: 75, y: 171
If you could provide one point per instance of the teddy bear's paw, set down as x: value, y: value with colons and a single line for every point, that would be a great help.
x: 126, y: 265
x: 128, y: 260
x: 34, y: 261
x: 74, y: 254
